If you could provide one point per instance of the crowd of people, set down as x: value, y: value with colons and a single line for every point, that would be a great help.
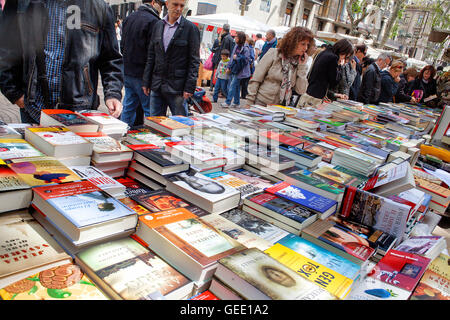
x: 157, y: 60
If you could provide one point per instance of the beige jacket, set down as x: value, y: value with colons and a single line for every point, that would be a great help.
x: 265, y: 84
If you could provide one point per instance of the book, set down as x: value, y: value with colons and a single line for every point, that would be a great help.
x: 439, y: 194
x: 219, y: 136
x: 245, y: 188
x: 163, y: 200
x: 158, y: 159
x: 39, y: 171
x: 356, y: 161
x: 326, y: 278
x: 17, y: 148
x: 300, y: 156
x: 265, y: 156
x: 426, y: 246
x: 323, y: 206
x: 146, y: 135
x: 205, y: 295
x: 188, y: 243
x: 392, y: 180
x: 67, y: 118
x: 101, y: 180
x: 259, y: 227
x: 325, y: 153
x: 325, y: 257
x: 278, y: 208
x: 253, y: 178
x: 167, y: 126
x: 401, y: 269
x: 144, y: 179
x: 58, y: 142
x: 434, y: 284
x: 222, y: 291
x: 255, y: 275
x: 372, y: 210
x: 199, y: 154
x: 106, y: 123
x: 14, y: 193
x: 65, y: 282
x: 333, y: 237
x: 126, y: 270
x: 334, y: 176
x: 7, y: 132
x: 26, y: 248
x: 82, y: 211
x: 106, y: 148
x: 205, y: 192
x: 302, y: 178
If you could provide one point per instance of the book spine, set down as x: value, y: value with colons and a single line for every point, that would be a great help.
x: 349, y: 195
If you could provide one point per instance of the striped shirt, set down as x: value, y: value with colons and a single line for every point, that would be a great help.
x: 54, y: 57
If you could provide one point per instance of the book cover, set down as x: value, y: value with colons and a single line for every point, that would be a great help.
x: 371, y: 288
x: 271, y: 277
x: 251, y: 177
x: 325, y: 153
x: 401, y: 269
x: 318, y: 254
x: 167, y: 123
x: 203, y: 186
x: 6, y: 132
x: 372, y: 210
x: 246, y: 189
x: 234, y: 231
x: 82, y: 203
x: 435, y: 282
x: 282, y: 206
x: 9, y: 180
x: 326, y: 278
x: 296, y: 150
x: 147, y: 135
x: 102, y: 119
x: 58, y: 136
x: 282, y: 139
x: 198, y: 239
x: 133, y: 187
x: 420, y: 245
x: 66, y: 282
x: 302, y: 197
x: 42, y: 171
x: 163, y: 200
x: 219, y: 136
x: 104, y: 143
x: 205, y: 295
x: 156, y: 154
x: 334, y: 175
x: 96, y: 177
x: 196, y: 151
x: 433, y: 189
x: 131, y: 270
x: 24, y: 244
x: 65, y: 117
x: 258, y: 226
x: 266, y: 155
x: 338, y: 237
x: 17, y: 148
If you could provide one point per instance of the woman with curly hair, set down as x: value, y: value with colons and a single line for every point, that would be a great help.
x: 282, y: 70
x: 425, y: 85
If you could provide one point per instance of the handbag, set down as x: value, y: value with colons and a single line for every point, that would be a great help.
x: 208, y: 65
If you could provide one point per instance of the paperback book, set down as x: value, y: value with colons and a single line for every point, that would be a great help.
x: 17, y: 148
x: 435, y: 283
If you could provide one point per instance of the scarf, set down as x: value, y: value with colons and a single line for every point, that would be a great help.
x: 288, y: 67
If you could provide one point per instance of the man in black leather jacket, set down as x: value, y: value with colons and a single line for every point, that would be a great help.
x: 369, y: 93
x: 173, y: 62
x: 52, y: 52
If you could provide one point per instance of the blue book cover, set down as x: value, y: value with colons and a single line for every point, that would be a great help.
x: 299, y: 152
x: 320, y: 255
x: 185, y: 120
x: 303, y: 197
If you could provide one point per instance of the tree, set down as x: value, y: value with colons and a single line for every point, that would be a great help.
x: 358, y: 10
x: 397, y: 12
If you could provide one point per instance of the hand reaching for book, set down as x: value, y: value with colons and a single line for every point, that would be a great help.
x: 114, y: 106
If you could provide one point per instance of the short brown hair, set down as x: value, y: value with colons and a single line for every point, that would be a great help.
x: 293, y: 37
x: 411, y: 72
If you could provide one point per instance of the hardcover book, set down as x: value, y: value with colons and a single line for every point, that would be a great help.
x: 257, y: 276
x: 40, y: 171
x: 17, y: 148
x: 67, y: 118
x: 326, y: 278
x: 322, y: 205
x: 104, y: 144
x: 66, y: 282
x: 435, y: 282
x: 167, y: 125
x: 26, y: 248
x: 126, y: 270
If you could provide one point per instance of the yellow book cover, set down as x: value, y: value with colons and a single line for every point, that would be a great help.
x: 335, y: 283
x: 66, y: 282
x: 40, y: 171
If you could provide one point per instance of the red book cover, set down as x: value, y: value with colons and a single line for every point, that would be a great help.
x: 207, y: 295
x: 66, y: 189
x: 347, y: 202
x: 401, y: 269
x: 282, y: 139
x: 135, y: 147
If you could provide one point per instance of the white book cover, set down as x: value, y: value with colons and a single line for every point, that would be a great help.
x: 192, y: 150
x: 96, y: 177
x: 203, y: 186
x: 61, y: 138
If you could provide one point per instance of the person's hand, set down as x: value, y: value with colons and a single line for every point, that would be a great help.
x: 187, y: 95
x: 114, y: 106
x: 413, y: 100
x: 235, y: 57
x: 353, y: 64
x: 146, y: 90
x: 21, y: 102
x: 341, y: 96
x: 303, y: 59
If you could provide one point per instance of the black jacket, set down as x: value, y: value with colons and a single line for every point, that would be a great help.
x: 388, y: 87
x: 403, y: 93
x: 354, y: 89
x: 369, y: 93
x: 137, y: 31
x: 226, y: 42
x: 88, y: 50
x: 176, y: 70
x: 428, y: 89
x: 325, y: 74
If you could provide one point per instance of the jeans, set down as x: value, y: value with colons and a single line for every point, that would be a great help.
x: 234, y: 90
x: 244, y: 87
x: 160, y: 101
x: 221, y: 85
x: 134, y: 98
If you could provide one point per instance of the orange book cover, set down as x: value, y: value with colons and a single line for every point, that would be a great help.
x: 168, y: 123
x: 433, y: 187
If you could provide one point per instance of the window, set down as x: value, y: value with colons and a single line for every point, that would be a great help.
x: 206, y: 8
x: 265, y: 5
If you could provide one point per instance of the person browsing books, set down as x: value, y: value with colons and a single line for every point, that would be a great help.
x: 222, y: 75
x: 390, y: 81
x: 283, y: 70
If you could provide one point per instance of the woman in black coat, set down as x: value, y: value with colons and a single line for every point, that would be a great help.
x: 425, y: 84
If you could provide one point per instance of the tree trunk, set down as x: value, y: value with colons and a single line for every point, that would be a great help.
x: 392, y: 19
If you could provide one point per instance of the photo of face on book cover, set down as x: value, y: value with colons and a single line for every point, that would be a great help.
x: 199, y: 182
